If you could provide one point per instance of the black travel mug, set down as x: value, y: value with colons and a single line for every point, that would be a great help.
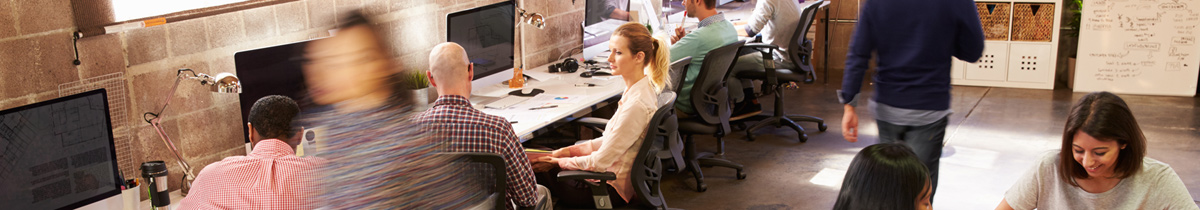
x: 155, y: 175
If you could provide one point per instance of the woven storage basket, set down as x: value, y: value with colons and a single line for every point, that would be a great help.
x: 994, y: 20
x: 1031, y: 25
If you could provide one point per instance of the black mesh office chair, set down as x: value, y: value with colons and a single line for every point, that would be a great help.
x: 493, y: 163
x: 485, y: 163
x: 646, y: 173
x: 773, y: 77
x: 710, y: 99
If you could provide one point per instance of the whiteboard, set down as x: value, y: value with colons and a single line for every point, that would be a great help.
x: 1143, y: 47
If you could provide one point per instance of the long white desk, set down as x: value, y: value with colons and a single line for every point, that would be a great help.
x: 580, y: 100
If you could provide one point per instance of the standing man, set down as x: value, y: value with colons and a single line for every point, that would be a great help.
x: 913, y: 41
x: 462, y: 128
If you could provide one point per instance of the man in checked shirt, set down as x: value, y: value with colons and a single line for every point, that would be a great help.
x: 453, y: 121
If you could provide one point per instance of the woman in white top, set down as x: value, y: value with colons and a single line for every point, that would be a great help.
x: 641, y: 61
x: 1101, y: 165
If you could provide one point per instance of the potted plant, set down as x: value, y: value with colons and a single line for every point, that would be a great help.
x: 1070, y: 29
x: 418, y: 82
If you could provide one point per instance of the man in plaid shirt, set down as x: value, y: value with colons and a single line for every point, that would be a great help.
x: 270, y: 177
x: 462, y: 128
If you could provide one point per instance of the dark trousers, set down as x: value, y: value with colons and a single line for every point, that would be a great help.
x: 573, y: 193
x: 926, y: 141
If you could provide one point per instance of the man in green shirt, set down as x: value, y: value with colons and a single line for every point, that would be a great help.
x: 713, y: 32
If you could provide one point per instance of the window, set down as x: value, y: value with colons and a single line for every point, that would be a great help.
x: 124, y: 10
x: 109, y: 16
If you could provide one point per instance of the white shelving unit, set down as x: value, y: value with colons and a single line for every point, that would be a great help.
x: 1014, y: 63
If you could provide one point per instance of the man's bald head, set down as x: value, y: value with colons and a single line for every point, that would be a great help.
x: 450, y: 69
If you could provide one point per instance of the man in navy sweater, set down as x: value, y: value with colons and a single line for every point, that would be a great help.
x: 913, y: 41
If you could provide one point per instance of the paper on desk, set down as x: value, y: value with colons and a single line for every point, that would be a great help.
x: 544, y: 99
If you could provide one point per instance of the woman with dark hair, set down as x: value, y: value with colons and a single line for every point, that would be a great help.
x: 1102, y: 165
x: 377, y: 158
x: 885, y: 176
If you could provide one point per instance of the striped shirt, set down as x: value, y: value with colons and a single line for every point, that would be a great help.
x: 462, y: 128
x: 380, y: 159
x: 270, y: 177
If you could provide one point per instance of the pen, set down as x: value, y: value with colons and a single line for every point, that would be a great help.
x: 512, y: 122
x: 543, y: 107
x: 585, y: 85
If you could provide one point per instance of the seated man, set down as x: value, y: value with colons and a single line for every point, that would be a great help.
x: 713, y: 32
x: 453, y: 121
x: 270, y: 177
x: 776, y: 21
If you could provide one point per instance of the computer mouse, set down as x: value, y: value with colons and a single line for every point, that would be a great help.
x: 586, y: 74
x: 601, y: 73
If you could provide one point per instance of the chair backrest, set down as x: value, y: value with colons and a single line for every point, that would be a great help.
x: 495, y: 164
x: 677, y: 71
x: 709, y: 94
x: 801, y: 56
x: 647, y: 167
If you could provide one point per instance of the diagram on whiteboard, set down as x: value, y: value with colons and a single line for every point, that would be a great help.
x: 1139, y: 47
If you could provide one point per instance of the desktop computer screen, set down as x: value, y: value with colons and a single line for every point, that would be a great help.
x: 486, y: 33
x: 275, y: 70
x: 58, y: 154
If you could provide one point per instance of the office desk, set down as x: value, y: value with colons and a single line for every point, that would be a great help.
x: 529, y: 123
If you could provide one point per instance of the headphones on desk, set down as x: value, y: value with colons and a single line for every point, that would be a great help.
x: 570, y: 65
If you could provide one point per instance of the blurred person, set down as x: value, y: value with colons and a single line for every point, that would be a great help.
x: 641, y: 61
x: 1102, y: 164
x: 378, y: 158
x: 713, y: 32
x: 912, y: 41
x: 455, y: 123
x: 885, y: 176
x: 270, y: 177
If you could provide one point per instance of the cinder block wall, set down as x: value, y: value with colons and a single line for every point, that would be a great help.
x: 36, y: 54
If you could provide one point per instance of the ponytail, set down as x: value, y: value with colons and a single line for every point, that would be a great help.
x: 659, y: 67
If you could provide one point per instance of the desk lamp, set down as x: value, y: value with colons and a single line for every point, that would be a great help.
x: 539, y: 22
x: 222, y: 83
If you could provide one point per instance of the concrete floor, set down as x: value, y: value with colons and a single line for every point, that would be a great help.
x: 994, y: 136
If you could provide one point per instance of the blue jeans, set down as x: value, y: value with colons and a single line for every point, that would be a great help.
x: 926, y: 141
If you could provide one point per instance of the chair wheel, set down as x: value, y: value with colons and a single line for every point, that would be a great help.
x: 701, y: 188
x: 803, y: 138
x: 822, y: 127
x: 749, y: 136
x: 741, y: 175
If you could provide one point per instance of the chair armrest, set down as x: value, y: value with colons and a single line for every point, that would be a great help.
x: 758, y: 46
x: 592, y: 122
x: 577, y: 175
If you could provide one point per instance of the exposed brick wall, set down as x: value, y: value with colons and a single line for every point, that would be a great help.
x: 36, y: 54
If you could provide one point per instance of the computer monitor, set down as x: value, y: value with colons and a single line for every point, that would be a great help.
x: 486, y: 33
x: 599, y: 23
x: 58, y: 154
x: 275, y: 70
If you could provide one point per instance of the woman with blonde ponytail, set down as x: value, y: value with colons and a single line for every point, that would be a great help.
x: 641, y: 61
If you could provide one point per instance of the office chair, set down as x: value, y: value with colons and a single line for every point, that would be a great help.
x: 674, y: 149
x: 646, y: 173
x: 799, y: 70
x: 710, y: 99
x: 499, y: 175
